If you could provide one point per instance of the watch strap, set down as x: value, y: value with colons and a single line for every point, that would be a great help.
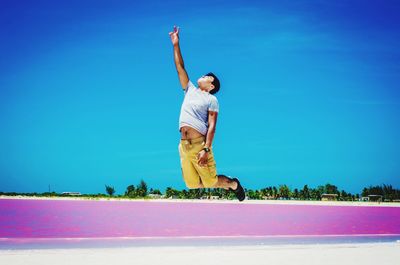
x: 206, y: 149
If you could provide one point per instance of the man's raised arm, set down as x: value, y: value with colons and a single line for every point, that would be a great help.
x: 180, y: 66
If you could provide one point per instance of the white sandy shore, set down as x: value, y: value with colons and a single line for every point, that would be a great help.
x: 332, y: 254
x: 294, y: 202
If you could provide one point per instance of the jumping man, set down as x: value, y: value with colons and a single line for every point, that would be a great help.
x: 197, y: 123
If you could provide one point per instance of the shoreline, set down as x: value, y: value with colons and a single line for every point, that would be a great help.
x: 329, y: 254
x: 287, y: 202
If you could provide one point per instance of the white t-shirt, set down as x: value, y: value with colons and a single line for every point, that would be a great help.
x: 195, y: 107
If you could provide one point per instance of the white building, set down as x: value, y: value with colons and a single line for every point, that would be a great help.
x: 72, y: 193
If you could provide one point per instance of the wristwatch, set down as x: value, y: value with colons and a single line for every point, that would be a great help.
x: 206, y: 149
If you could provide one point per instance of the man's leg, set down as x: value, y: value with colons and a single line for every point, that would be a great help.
x: 225, y: 183
x: 189, y: 173
x: 232, y: 185
x: 209, y: 177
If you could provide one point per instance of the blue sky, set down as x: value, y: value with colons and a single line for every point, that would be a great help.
x: 89, y: 93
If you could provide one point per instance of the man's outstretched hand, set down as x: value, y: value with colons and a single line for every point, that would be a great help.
x: 175, y: 36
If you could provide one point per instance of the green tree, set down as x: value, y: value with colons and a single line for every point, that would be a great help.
x: 251, y: 194
x: 110, y: 190
x: 274, y: 192
x: 365, y: 192
x: 330, y: 189
x: 305, y: 193
x: 170, y: 192
x: 194, y: 194
x: 184, y: 194
x: 296, y: 193
x: 156, y: 191
x: 141, y: 189
x: 319, y: 191
x: 284, y: 191
x: 130, y: 191
x: 344, y: 196
x: 388, y: 192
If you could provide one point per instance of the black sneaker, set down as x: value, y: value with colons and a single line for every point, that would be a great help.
x: 239, y: 192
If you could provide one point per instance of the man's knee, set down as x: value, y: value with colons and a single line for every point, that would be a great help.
x: 223, y: 182
x: 214, y: 184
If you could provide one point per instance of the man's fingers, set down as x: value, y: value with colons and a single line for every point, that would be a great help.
x: 202, y: 163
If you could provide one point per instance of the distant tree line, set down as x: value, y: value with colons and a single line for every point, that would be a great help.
x: 387, y: 191
x: 271, y: 192
x: 140, y: 191
x: 281, y: 192
x: 284, y: 192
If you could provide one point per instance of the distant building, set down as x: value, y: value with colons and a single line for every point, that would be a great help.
x: 155, y: 196
x: 205, y: 197
x: 268, y: 198
x: 72, y: 193
x: 372, y: 198
x: 329, y: 197
x: 375, y: 198
x: 364, y: 199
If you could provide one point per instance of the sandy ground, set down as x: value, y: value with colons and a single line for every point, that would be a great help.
x: 294, y: 202
x: 326, y: 254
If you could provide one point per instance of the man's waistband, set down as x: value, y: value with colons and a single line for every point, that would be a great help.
x: 193, y: 141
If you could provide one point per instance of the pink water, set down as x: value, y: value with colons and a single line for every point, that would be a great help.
x: 99, y: 219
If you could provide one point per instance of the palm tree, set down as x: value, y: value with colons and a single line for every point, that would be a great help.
x: 305, y: 193
x: 274, y: 192
x: 296, y: 193
x: 171, y: 192
x: 284, y: 191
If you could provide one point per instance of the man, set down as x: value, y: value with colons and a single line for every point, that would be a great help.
x: 197, y: 123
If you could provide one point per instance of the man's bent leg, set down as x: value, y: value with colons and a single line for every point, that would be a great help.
x: 225, y: 183
x: 232, y: 185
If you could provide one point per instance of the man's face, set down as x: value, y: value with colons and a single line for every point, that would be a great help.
x: 205, y: 81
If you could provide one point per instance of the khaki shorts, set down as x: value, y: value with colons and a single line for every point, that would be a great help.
x: 193, y: 173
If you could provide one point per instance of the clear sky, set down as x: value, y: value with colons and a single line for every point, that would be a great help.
x: 89, y: 93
